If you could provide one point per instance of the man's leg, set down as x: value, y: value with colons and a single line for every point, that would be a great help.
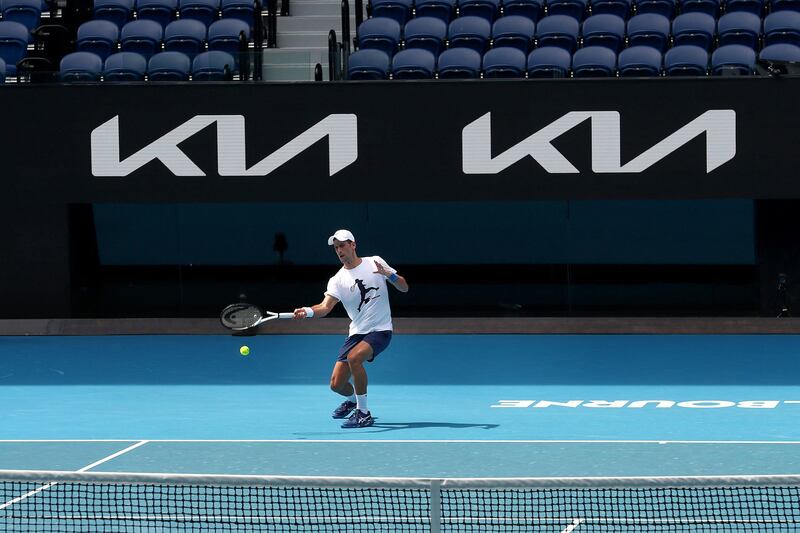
x: 340, y: 383
x: 360, y: 353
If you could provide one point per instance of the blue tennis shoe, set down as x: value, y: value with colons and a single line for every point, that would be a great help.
x: 344, y: 410
x: 359, y: 420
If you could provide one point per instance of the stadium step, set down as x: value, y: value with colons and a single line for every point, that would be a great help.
x: 313, y: 23
x: 294, y: 64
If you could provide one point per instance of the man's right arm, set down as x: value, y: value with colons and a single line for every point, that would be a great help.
x: 317, y: 311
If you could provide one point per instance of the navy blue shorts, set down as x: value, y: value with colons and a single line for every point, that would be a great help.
x: 379, y: 340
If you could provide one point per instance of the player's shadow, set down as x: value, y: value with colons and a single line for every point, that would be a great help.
x: 396, y: 426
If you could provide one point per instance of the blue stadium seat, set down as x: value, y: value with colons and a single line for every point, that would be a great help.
x: 505, y: 62
x: 709, y: 7
x: 666, y: 8
x: 470, y: 32
x: 379, y: 34
x: 784, y: 5
x: 440, y: 9
x: 780, y: 52
x: 558, y: 30
x: 243, y: 10
x: 13, y: 44
x: 26, y: 12
x: 686, y: 60
x: 428, y: 33
x: 99, y: 37
x: 514, y: 31
x: 649, y: 29
x: 530, y: 9
x: 117, y: 11
x: 740, y: 27
x: 2, y: 71
x: 161, y: 11
x: 169, y: 66
x: 756, y: 7
x: 459, y: 63
x: 142, y: 36
x: 733, y: 60
x: 694, y: 28
x: 368, y: 64
x: 549, y: 62
x: 487, y: 9
x: 229, y: 35
x: 213, y: 65
x: 125, y: 66
x: 399, y: 10
x: 413, y: 64
x: 81, y: 66
x: 604, y: 30
x: 620, y: 8
x: 570, y: 8
x: 639, y: 61
x: 782, y: 27
x: 186, y: 36
x: 594, y: 62
x: 204, y: 11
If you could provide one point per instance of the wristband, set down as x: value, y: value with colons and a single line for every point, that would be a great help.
x: 393, y: 277
x: 309, y: 312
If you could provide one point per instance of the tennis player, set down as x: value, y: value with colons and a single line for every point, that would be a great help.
x: 361, y: 286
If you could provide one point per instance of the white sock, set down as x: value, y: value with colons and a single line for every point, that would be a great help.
x: 361, y: 403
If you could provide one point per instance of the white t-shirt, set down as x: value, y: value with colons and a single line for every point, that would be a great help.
x: 364, y: 295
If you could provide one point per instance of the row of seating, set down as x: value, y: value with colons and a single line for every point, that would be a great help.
x: 164, y: 11
x: 555, y: 62
x: 130, y: 66
x: 559, y: 30
x: 404, y: 10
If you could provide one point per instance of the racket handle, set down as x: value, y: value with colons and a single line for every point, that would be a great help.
x: 285, y: 315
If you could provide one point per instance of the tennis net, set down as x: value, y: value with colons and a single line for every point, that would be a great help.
x: 95, y: 501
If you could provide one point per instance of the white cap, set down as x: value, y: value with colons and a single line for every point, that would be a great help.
x: 341, y: 235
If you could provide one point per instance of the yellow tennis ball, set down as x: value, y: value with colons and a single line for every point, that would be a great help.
x: 244, y: 350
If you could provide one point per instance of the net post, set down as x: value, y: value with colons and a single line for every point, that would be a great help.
x: 436, y: 506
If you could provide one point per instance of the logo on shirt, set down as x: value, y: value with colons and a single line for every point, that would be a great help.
x: 364, y: 292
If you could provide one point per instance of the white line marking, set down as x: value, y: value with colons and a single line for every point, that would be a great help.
x: 416, y: 441
x: 571, y: 527
x: 84, y: 469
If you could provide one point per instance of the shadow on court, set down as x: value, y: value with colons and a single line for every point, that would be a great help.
x: 395, y: 426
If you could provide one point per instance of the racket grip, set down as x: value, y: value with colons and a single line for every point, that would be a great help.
x: 285, y: 315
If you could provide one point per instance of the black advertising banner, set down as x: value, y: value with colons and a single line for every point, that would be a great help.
x: 401, y: 141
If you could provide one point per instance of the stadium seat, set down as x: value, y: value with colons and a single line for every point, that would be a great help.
x: 398, y: 10
x: 604, y: 30
x: 782, y: 27
x: 594, y: 62
x: 486, y: 9
x: 780, y: 52
x: 694, y: 28
x: 142, y: 37
x: 99, y: 37
x: 784, y: 5
x: 505, y: 62
x: 26, y: 12
x: 169, y: 66
x: 117, y: 11
x: 13, y: 44
x: 213, y: 65
x: 81, y: 66
x: 514, y: 31
x: 620, y: 8
x: 658, y: 7
x: 243, y: 10
x: 686, y: 60
x: 440, y: 9
x: 639, y: 61
x: 649, y: 29
x: 2, y: 71
x: 733, y: 60
x: 756, y: 7
x: 228, y: 35
x: 570, y: 8
x: 379, y: 34
x: 470, y: 32
x: 368, y: 64
x: 186, y: 36
x: 428, y: 33
x: 530, y: 9
x: 161, y: 11
x: 204, y: 11
x: 709, y: 7
x: 125, y: 66
x: 459, y: 63
x: 558, y: 30
x: 740, y: 27
x: 549, y: 62
x: 413, y: 64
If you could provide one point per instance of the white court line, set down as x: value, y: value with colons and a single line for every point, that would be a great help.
x: 84, y: 469
x: 419, y: 441
x: 571, y: 527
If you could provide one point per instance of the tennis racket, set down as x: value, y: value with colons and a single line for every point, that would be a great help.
x: 243, y: 316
